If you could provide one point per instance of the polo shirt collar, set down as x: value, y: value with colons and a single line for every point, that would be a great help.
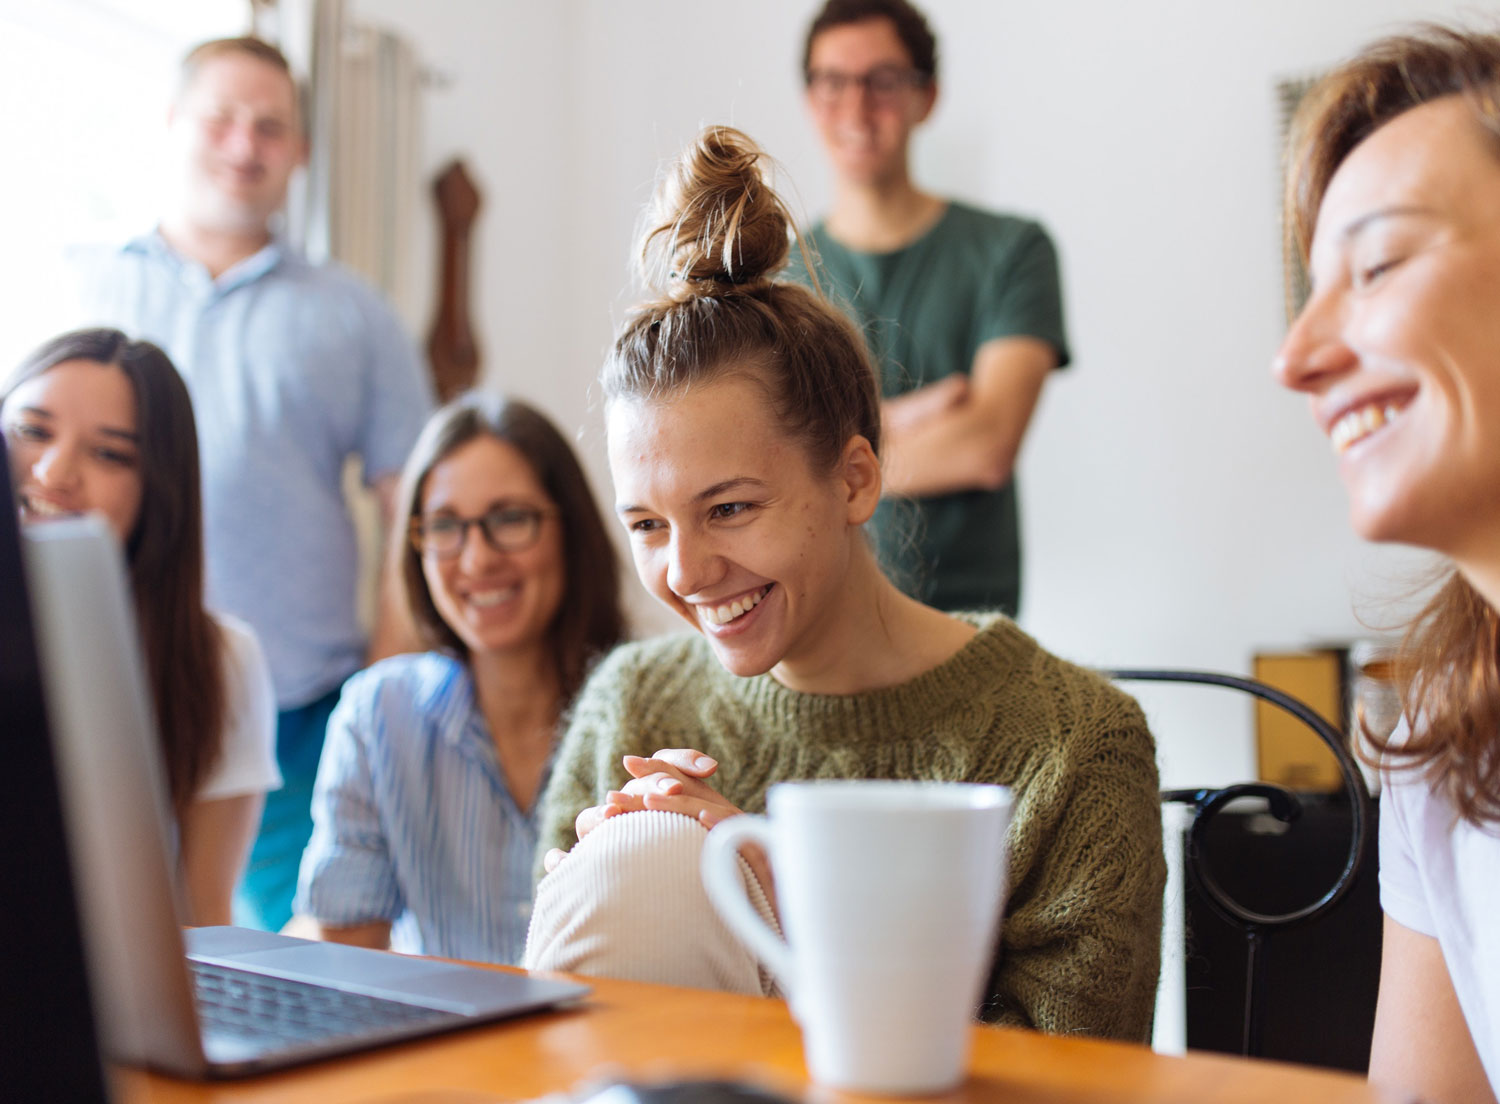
x: 247, y: 271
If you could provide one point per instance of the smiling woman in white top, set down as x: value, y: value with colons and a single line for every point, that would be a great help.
x: 424, y: 812
x: 98, y: 423
x: 1393, y: 199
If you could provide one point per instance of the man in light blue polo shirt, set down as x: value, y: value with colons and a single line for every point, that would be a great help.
x: 293, y: 368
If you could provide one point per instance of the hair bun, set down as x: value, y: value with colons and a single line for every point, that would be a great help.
x: 716, y: 223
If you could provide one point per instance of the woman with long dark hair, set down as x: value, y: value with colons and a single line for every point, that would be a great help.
x: 424, y: 812
x: 98, y: 423
x: 1393, y: 200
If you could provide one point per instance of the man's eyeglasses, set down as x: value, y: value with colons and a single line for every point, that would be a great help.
x: 506, y: 528
x: 885, y: 83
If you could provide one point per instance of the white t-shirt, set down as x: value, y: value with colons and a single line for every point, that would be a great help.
x: 1440, y: 876
x: 247, y: 757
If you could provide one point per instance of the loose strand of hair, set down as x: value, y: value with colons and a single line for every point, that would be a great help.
x: 1447, y: 674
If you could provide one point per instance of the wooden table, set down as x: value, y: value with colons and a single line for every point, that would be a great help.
x: 660, y: 1032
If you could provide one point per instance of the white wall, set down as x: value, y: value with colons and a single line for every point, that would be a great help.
x: 1179, y: 509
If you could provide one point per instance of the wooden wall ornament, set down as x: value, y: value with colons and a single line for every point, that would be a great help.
x: 451, y: 348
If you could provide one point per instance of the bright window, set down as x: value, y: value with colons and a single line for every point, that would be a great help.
x: 85, y: 86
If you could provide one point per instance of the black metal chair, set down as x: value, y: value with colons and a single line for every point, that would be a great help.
x: 1285, y: 806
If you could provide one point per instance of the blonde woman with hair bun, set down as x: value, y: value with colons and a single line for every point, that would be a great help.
x: 744, y: 442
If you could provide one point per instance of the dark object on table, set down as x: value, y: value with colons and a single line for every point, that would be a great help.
x: 682, y: 1092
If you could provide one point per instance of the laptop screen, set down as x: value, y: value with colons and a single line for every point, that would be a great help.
x: 48, y: 1045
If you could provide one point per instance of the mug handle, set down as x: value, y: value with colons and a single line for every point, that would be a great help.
x: 726, y: 889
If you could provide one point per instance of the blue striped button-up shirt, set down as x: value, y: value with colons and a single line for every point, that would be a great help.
x: 412, y: 820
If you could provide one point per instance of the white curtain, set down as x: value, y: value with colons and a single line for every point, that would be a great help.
x: 358, y: 199
x: 375, y: 178
x: 308, y: 32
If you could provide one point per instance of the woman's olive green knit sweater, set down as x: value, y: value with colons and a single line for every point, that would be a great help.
x: 1081, y: 936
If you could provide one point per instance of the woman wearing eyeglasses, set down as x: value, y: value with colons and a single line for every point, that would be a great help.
x: 424, y: 823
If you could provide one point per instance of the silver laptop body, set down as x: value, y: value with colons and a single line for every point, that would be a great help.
x: 122, y: 843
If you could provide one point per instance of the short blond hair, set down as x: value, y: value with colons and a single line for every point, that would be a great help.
x: 245, y: 46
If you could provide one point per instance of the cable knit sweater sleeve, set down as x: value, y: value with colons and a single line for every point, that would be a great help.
x: 1080, y: 942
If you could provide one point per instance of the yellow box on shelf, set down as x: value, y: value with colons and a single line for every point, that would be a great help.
x: 1287, y: 751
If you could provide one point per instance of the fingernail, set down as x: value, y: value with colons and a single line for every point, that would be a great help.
x: 703, y: 762
x: 668, y: 785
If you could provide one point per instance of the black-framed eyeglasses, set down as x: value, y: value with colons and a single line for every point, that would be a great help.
x: 884, y: 82
x: 508, y: 527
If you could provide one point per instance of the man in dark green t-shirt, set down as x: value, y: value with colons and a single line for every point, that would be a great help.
x: 962, y: 309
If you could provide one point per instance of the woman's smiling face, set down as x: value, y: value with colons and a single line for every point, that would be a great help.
x: 730, y: 523
x: 74, y: 445
x: 495, y: 600
x: 1398, y: 347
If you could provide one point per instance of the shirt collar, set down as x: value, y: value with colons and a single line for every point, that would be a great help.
x: 453, y: 705
x: 247, y: 271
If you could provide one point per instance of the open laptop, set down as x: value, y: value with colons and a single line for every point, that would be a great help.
x: 48, y: 1042
x: 231, y: 1001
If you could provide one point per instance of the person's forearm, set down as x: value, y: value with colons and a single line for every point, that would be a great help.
x: 1422, y: 1046
x: 210, y: 905
x: 904, y: 412
x: 947, y: 454
x: 375, y: 934
x: 971, y: 443
x: 394, y: 631
x: 216, y: 838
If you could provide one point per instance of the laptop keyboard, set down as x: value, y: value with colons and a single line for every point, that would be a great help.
x: 241, y: 1003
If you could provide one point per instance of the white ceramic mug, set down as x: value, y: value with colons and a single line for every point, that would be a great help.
x: 890, y: 896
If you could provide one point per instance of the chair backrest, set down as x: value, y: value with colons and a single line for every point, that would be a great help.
x: 1282, y: 804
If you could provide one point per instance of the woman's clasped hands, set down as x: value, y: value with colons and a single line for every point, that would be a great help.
x: 670, y: 781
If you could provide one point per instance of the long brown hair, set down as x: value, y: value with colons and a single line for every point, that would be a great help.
x: 590, y: 620
x: 164, y: 552
x: 719, y: 234
x: 1448, y: 666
